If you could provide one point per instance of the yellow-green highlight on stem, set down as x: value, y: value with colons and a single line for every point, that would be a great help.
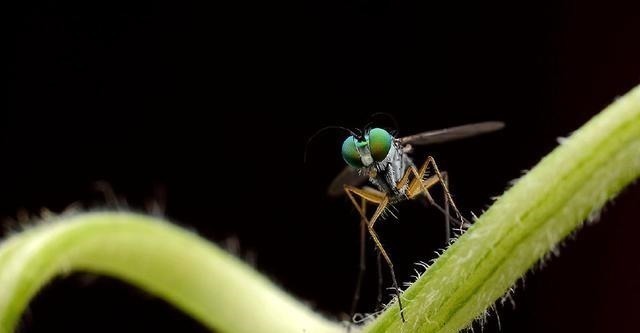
x: 167, y: 261
x: 553, y: 200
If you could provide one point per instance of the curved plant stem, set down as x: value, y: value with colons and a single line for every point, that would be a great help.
x: 567, y: 187
x: 161, y: 258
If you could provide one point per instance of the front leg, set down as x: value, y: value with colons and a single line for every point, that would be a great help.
x: 382, y: 200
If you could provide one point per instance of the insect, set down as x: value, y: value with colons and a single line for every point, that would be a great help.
x: 375, y: 155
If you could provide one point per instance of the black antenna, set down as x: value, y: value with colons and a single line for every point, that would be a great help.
x: 318, y: 132
x: 387, y: 115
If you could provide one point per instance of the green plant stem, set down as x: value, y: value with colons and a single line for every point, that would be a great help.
x: 551, y: 201
x: 529, y: 220
x: 163, y: 259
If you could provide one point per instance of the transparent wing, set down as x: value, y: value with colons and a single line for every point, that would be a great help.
x: 452, y: 133
x: 348, y: 176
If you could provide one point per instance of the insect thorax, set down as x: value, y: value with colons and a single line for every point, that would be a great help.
x: 389, y: 171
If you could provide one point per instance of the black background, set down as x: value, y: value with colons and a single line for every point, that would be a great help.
x: 213, y: 105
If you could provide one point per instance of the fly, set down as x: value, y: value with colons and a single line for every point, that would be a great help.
x: 375, y: 155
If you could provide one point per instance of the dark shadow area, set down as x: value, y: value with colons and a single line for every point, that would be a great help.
x: 210, y: 107
x: 81, y: 302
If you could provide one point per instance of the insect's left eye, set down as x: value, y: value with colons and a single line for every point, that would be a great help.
x: 350, y: 153
x: 379, y: 143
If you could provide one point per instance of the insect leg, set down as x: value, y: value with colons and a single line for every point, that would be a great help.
x: 419, y: 186
x: 382, y: 200
x: 432, y: 161
x: 445, y: 179
x: 461, y: 224
x: 362, y: 266
x: 440, y: 179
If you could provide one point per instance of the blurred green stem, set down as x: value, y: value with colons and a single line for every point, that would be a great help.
x: 169, y: 262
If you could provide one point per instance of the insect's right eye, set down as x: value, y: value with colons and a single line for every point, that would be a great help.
x: 350, y: 153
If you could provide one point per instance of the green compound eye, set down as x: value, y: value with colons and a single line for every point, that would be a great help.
x: 379, y: 143
x: 350, y: 153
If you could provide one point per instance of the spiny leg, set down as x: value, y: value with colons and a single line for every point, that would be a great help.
x: 432, y: 202
x: 424, y: 187
x: 362, y: 266
x: 464, y: 223
x: 382, y: 200
x: 366, y: 195
x: 418, y: 186
x: 445, y: 179
x: 370, y: 195
x: 447, y: 194
x: 386, y: 257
